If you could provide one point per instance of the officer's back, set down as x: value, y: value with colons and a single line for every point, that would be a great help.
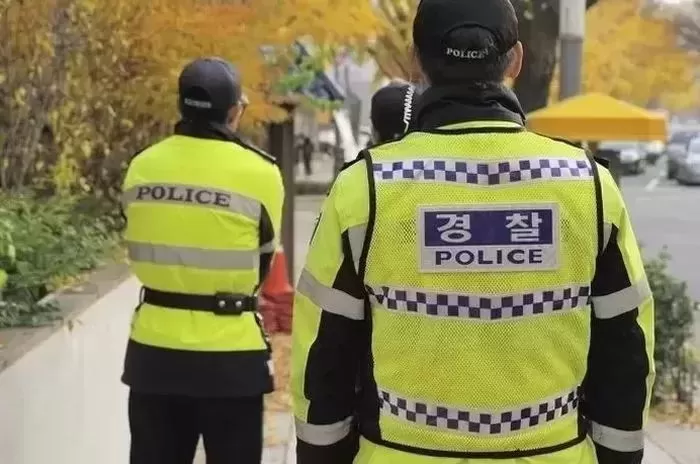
x: 495, y: 271
x: 203, y: 211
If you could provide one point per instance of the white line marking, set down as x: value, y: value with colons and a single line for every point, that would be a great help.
x: 652, y: 184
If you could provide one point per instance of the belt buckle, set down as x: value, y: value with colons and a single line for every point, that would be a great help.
x: 228, y: 304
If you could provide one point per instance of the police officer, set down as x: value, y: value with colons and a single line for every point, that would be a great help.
x: 482, y: 282
x: 392, y: 111
x: 203, y: 212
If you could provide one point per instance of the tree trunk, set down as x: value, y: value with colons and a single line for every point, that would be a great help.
x: 539, y: 35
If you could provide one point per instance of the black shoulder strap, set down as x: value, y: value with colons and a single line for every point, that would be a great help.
x: 131, y: 158
x: 367, y: 156
x: 594, y: 162
x: 598, y: 199
x: 259, y: 151
x: 602, y: 161
x: 347, y: 164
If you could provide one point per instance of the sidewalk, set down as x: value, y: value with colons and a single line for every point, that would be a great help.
x: 321, y: 169
x: 680, y: 444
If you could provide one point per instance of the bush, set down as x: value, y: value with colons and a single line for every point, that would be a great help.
x: 675, y: 356
x: 44, y: 242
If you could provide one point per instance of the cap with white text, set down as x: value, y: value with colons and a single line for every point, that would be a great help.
x: 440, y: 25
x: 208, y: 89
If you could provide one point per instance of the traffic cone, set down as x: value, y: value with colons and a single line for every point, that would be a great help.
x: 277, y: 296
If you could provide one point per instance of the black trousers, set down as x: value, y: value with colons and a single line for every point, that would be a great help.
x: 165, y: 429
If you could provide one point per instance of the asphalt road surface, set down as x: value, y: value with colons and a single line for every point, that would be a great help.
x: 665, y: 214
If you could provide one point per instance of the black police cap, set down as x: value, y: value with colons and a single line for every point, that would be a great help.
x: 208, y: 89
x: 392, y: 110
x: 441, y: 30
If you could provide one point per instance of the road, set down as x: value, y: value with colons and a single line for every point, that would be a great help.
x: 665, y: 214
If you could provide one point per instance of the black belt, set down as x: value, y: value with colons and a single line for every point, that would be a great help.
x: 223, y: 304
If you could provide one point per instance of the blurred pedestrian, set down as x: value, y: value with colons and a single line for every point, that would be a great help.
x: 307, y: 151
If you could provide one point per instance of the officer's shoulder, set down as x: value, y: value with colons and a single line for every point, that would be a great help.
x: 558, y: 140
x: 601, y: 161
x: 138, y: 152
x: 258, y: 151
x: 144, y: 150
x: 348, y: 164
x: 387, y: 143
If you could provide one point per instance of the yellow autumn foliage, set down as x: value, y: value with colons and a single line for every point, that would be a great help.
x: 635, y: 57
x: 237, y: 30
x: 85, y: 84
x: 392, y: 46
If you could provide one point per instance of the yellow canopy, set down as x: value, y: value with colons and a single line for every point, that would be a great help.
x: 594, y: 117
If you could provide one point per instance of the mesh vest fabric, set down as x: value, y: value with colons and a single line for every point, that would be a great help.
x: 479, y: 361
x: 193, y: 208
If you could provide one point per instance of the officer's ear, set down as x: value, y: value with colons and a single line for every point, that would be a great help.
x: 515, y: 61
x: 234, y: 116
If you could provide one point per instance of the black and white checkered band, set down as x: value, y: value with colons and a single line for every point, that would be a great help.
x: 479, y: 422
x: 482, y: 173
x: 485, y: 307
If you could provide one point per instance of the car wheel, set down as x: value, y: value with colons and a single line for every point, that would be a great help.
x: 670, y: 173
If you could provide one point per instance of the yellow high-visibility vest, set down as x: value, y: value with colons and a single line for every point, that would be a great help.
x: 194, y: 208
x: 502, y: 265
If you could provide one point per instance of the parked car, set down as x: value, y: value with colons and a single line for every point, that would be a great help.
x: 688, y: 168
x: 654, y: 151
x: 630, y: 153
x: 677, y: 150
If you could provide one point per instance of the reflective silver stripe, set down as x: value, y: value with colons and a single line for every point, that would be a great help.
x: 193, y: 195
x: 607, y: 230
x: 268, y: 247
x: 322, y: 435
x: 356, y: 236
x: 329, y: 299
x: 483, y: 307
x: 200, y: 258
x: 476, y: 421
x: 615, y: 439
x: 614, y: 304
x: 482, y: 172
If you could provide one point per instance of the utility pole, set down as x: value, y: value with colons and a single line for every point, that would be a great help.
x: 572, y: 28
x: 281, y: 146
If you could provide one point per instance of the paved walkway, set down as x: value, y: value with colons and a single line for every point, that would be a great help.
x: 681, y: 443
x: 321, y: 169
